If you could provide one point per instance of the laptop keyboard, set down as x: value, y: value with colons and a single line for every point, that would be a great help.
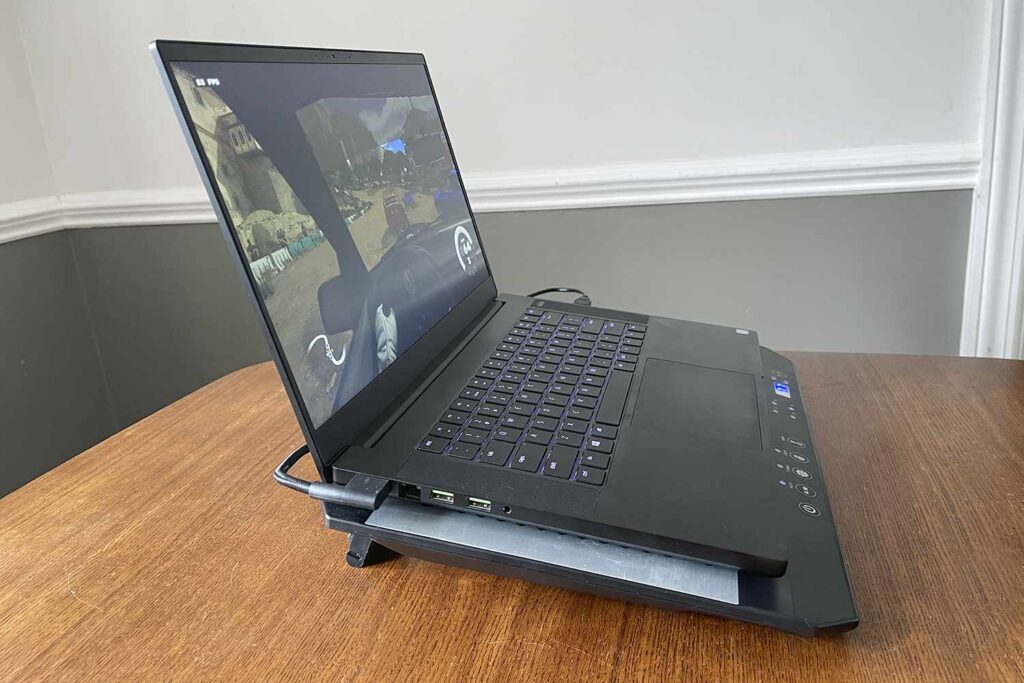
x: 548, y: 400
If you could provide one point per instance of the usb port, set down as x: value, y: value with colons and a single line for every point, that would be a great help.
x: 479, y: 504
x: 442, y: 496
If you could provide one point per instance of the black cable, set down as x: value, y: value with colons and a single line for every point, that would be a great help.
x: 361, y: 491
x: 581, y: 300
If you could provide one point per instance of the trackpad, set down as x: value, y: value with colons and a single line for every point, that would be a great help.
x: 693, y: 402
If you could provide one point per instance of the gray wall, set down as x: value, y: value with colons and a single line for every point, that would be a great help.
x: 53, y: 399
x: 101, y: 327
x: 169, y: 310
x: 881, y: 273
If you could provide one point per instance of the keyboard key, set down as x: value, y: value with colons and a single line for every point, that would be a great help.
x: 496, y: 453
x: 523, y: 326
x: 599, y: 372
x: 466, y: 451
x: 482, y: 422
x: 636, y: 328
x: 548, y: 410
x: 585, y: 401
x: 480, y: 383
x: 538, y: 436
x: 600, y: 445
x: 536, y: 343
x: 625, y: 367
x: 507, y: 387
x: 605, y: 431
x: 572, y: 320
x: 554, y: 350
x: 606, y: 355
x: 528, y: 457
x: 532, y: 319
x: 474, y: 436
x: 533, y: 311
x: 432, y: 444
x: 513, y: 339
x: 552, y: 318
x: 535, y: 387
x: 591, y: 325
x: 546, y: 329
x: 454, y: 417
x: 521, y: 409
x: 590, y: 476
x: 505, y: 346
x: 600, y: 363
x: 545, y: 423
x: 595, y: 459
x: 630, y: 334
x: 499, y: 399
x: 507, y: 434
x: 494, y: 364
x: 472, y: 394
x: 594, y: 381
x: 551, y: 359
x: 627, y: 357
x: 569, y: 439
x: 560, y: 461
x: 576, y: 360
x: 612, y: 327
x: 567, y: 378
x: 542, y: 377
x: 527, y: 397
x: 587, y: 390
x: 512, y: 377
x: 546, y: 367
x: 587, y: 336
x: 487, y: 373
x: 564, y: 389
x: 501, y: 355
x: 462, y: 404
x: 580, y: 413
x: 567, y: 336
x: 492, y: 411
x: 631, y: 343
x: 444, y: 431
x: 559, y: 400
x: 614, y: 398
x: 578, y: 426
x: 514, y: 421
x: 520, y: 368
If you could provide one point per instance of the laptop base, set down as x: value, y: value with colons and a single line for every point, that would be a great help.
x: 469, y: 541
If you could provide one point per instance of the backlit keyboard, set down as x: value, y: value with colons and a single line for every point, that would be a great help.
x: 548, y: 400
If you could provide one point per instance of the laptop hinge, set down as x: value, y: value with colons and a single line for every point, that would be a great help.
x: 398, y: 408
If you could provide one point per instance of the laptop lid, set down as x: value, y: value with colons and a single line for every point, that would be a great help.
x: 337, y: 189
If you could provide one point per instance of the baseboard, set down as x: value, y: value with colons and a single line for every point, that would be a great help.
x: 876, y: 170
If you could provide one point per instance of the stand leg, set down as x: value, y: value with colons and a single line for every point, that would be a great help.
x: 363, y: 552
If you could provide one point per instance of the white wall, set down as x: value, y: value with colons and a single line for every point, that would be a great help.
x: 538, y: 85
x: 24, y: 164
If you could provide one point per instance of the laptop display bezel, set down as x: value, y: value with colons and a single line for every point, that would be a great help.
x: 346, y: 424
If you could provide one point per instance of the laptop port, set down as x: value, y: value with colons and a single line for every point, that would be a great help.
x: 442, y: 496
x: 478, y: 504
x: 409, y: 491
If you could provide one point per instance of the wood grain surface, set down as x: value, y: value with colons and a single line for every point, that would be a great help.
x: 167, y: 553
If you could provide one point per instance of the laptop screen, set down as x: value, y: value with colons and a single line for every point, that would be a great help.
x: 339, y: 187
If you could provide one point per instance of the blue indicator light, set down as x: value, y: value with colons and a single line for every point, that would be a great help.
x: 782, y: 389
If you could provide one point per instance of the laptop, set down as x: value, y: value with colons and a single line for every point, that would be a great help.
x: 334, y: 182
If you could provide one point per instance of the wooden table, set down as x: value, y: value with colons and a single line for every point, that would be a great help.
x: 166, y: 552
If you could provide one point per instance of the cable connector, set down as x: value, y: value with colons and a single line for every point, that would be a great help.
x: 362, y: 490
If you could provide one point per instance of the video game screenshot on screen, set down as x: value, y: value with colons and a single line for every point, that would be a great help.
x: 346, y: 203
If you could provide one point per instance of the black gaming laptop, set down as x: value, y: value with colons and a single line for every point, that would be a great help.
x: 413, y: 379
